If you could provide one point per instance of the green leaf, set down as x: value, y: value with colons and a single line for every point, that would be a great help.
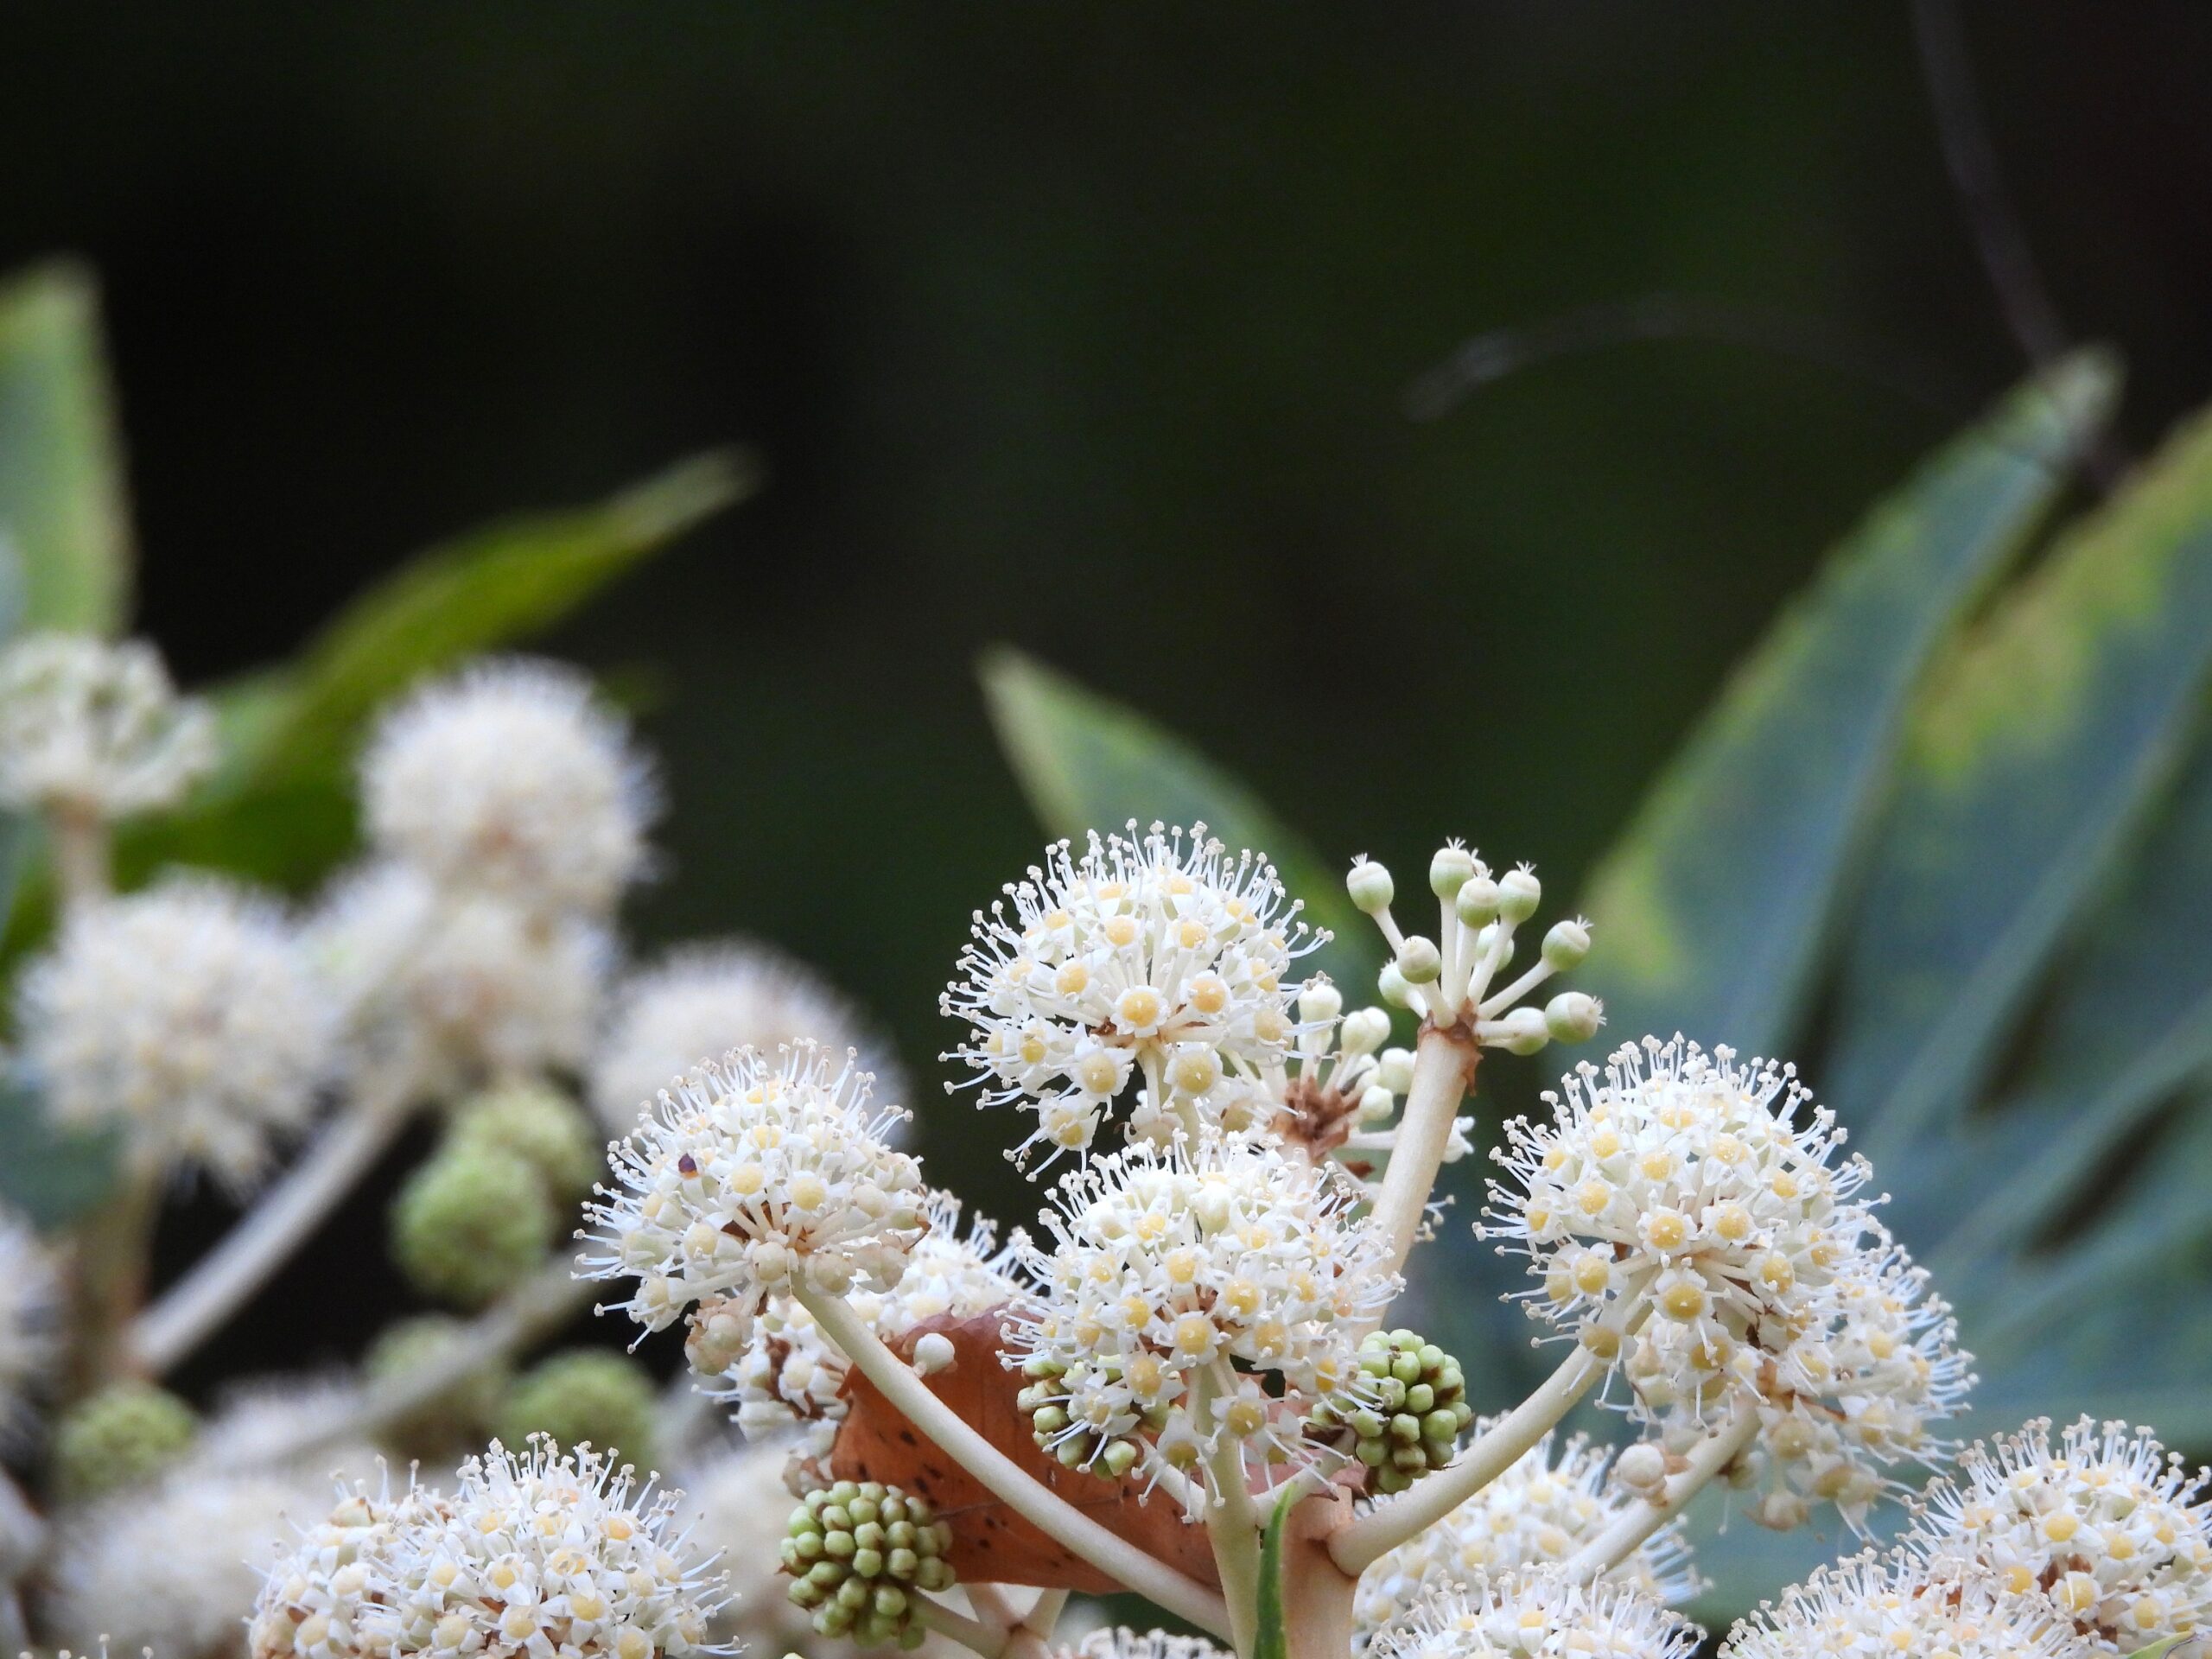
x: 1713, y: 909
x: 62, y: 502
x: 46, y: 1175
x: 281, y: 808
x: 1088, y: 763
x: 1271, y: 1639
x: 2038, y: 752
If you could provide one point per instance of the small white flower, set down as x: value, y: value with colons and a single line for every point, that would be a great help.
x: 175, y: 1568
x: 1163, y: 959
x: 188, y: 1014
x: 1873, y: 1607
x: 1168, y: 1265
x: 95, y: 728
x: 450, y: 989
x: 1538, y: 1615
x: 787, y: 1371
x: 2105, y: 1527
x: 544, y: 1554
x: 29, y: 1299
x: 751, y: 1173
x: 510, y: 778
x: 329, y: 1596
x: 1120, y: 1641
x: 1537, y: 1513
x: 703, y: 1000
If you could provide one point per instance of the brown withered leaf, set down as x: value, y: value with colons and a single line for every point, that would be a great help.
x: 990, y: 1543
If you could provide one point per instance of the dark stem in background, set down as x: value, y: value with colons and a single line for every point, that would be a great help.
x: 1491, y: 356
x: 1962, y: 129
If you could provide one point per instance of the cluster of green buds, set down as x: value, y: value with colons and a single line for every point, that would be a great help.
x: 1075, y: 1446
x: 1416, y: 1412
x: 854, y: 1550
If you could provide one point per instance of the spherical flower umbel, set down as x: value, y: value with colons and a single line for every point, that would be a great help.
x: 2105, y: 1527
x: 189, y: 1015
x: 1537, y: 1513
x: 1165, y: 959
x: 786, y: 1371
x: 1171, y: 1265
x: 513, y: 778
x: 1874, y: 1607
x: 1538, y: 1615
x: 546, y: 1552
x: 329, y: 1596
x: 96, y: 729
x: 703, y: 1000
x: 753, y: 1174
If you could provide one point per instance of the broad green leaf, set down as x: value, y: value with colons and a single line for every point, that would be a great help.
x: 63, y: 506
x: 1088, y: 763
x: 281, y: 808
x: 1272, y: 1640
x: 1713, y: 909
x: 2037, y: 752
x: 2130, y: 1025
x: 49, y: 1176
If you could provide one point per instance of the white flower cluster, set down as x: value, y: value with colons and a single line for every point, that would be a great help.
x: 189, y: 1013
x: 96, y: 729
x: 2106, y: 1528
x: 751, y: 1175
x: 787, y: 1371
x: 28, y: 1304
x: 444, y: 989
x: 1873, y: 1607
x: 703, y: 1000
x: 1120, y: 1641
x: 1173, y: 1266
x: 329, y: 1597
x: 1536, y: 1515
x: 544, y: 1554
x: 1690, y: 1217
x: 1159, y: 959
x: 510, y: 778
x: 1538, y: 1615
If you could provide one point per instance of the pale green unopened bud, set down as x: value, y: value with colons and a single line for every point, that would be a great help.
x: 1419, y: 960
x: 126, y: 1433
x: 854, y: 1550
x: 1524, y: 1031
x: 461, y: 1415
x: 541, y: 1125
x: 1320, y: 1002
x: 471, y: 1224
x: 586, y: 1395
x: 1391, y: 985
x: 1566, y: 944
x: 1451, y: 868
x: 1519, y: 893
x: 1370, y: 886
x: 1477, y: 902
x: 1572, y: 1017
x: 1376, y: 1103
x: 1395, y: 1070
x: 1364, y: 1030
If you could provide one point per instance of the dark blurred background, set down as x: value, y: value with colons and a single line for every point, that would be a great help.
x: 1091, y: 330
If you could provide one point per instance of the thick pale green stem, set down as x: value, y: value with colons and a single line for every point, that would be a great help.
x: 1382, y: 1528
x: 80, y: 841
x: 1232, y: 1523
x: 990, y: 1640
x: 1443, y: 1067
x: 1050, y: 1514
x: 1628, y: 1530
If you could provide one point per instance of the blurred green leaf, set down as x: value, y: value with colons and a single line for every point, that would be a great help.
x: 45, y: 1175
x: 63, y: 506
x: 1271, y: 1641
x: 2040, y: 747
x: 1713, y: 909
x: 281, y: 808
x: 1088, y: 763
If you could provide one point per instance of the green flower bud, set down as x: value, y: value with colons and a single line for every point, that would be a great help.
x: 1370, y: 886
x: 879, y: 1545
x: 471, y: 1224
x: 126, y: 1433
x: 1414, y: 1410
x: 541, y: 1125
x: 586, y: 1394
x: 461, y: 1416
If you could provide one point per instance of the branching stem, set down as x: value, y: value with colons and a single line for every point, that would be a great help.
x: 1044, y: 1510
x: 1628, y: 1530
x: 1444, y: 1065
